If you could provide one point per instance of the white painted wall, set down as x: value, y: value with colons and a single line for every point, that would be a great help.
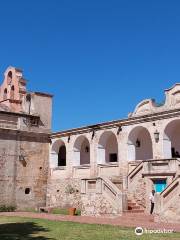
x: 171, y: 138
x: 144, y: 151
x: 111, y: 147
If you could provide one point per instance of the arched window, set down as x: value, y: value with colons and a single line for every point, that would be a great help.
x: 12, y: 92
x: 107, y: 148
x: 81, y: 151
x: 58, y: 154
x: 62, y: 156
x: 139, y: 144
x: 171, y: 140
x: 9, y: 77
x: 5, y: 94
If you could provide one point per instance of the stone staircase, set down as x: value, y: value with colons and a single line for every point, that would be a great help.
x: 133, y: 207
x: 101, y: 196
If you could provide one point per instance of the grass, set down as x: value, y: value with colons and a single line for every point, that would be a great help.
x: 60, y: 211
x: 16, y: 228
x: 33, y: 210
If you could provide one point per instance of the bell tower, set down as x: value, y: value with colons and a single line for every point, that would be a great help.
x: 13, y: 89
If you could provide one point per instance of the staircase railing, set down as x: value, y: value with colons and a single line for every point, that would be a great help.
x: 134, y: 172
x: 103, y: 185
x: 166, y: 198
x: 170, y: 192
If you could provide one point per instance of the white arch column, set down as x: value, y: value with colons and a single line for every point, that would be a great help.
x: 101, y: 154
x: 131, y: 152
x: 166, y: 148
x: 140, y: 144
x: 53, y: 159
x: 171, y: 139
x: 93, y: 156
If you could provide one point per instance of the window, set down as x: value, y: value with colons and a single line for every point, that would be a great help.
x: 34, y: 121
x: 5, y: 94
x: 27, y: 191
x: 62, y: 156
x: 113, y: 157
x: 12, y: 93
x: 9, y: 77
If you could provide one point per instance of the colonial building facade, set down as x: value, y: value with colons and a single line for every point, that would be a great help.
x: 25, y: 127
x: 112, y: 167
x: 107, y: 169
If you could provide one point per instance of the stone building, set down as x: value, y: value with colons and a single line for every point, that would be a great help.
x: 25, y: 126
x: 110, y: 168
x: 106, y: 169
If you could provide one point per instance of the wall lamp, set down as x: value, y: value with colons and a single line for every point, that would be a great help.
x: 119, y: 130
x: 93, y: 134
x: 156, y: 136
x: 22, y: 160
x: 21, y: 157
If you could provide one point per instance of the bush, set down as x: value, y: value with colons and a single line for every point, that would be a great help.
x: 7, y: 208
x: 78, y: 212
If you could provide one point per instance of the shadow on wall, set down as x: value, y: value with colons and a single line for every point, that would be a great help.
x: 22, y: 231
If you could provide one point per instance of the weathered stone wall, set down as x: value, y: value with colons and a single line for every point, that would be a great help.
x: 137, y: 190
x: 23, y: 165
x: 25, y: 125
x: 97, y: 205
x: 64, y: 192
x: 7, y: 168
x: 33, y: 174
x: 170, y: 214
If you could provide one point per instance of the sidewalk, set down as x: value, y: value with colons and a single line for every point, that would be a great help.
x: 124, y: 221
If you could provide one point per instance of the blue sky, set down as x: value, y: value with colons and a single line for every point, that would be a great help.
x: 99, y: 58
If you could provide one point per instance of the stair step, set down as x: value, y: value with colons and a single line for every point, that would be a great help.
x: 132, y: 204
x: 135, y: 211
x: 134, y: 207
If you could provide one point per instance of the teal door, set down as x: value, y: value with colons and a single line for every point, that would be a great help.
x: 159, y: 185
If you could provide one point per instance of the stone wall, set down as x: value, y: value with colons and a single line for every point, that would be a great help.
x: 97, y: 205
x: 23, y: 169
x: 171, y: 214
x: 137, y: 190
x: 64, y: 193
x: 33, y: 174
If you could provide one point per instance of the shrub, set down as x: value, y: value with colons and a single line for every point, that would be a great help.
x: 78, y: 212
x: 7, y: 208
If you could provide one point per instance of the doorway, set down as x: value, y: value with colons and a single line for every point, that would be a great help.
x: 160, y: 185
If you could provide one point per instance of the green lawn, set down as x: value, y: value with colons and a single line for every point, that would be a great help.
x: 15, y: 228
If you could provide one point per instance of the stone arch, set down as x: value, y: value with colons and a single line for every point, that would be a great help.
x: 58, y: 153
x: 5, y: 94
x: 81, y: 151
x: 107, y: 148
x: 171, y: 139
x: 12, y: 92
x: 9, y: 77
x: 139, y: 144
